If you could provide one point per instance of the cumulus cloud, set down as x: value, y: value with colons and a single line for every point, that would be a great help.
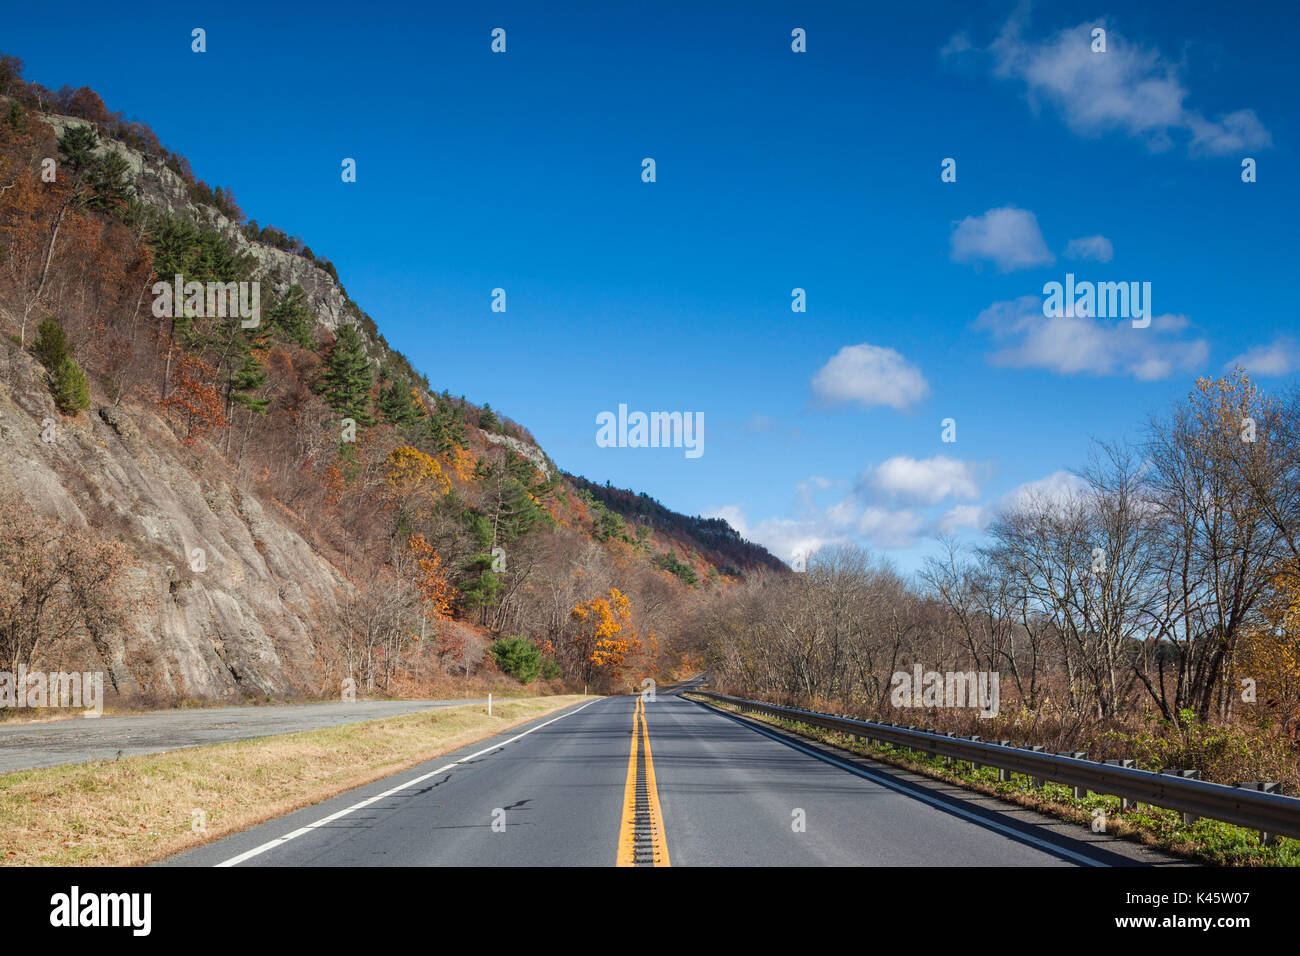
x: 1089, y: 346
x: 924, y: 480
x: 1280, y: 357
x: 1006, y: 236
x: 787, y: 538
x: 1130, y: 89
x: 1059, y: 488
x: 964, y: 516
x: 870, y: 375
x: 1095, y: 248
x: 892, y: 505
x: 889, y: 529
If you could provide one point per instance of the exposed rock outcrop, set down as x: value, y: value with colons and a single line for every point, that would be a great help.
x: 242, y: 625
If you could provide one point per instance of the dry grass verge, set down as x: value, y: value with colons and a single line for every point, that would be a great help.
x: 140, y: 809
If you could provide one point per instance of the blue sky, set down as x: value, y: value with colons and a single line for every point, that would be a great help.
x: 775, y: 170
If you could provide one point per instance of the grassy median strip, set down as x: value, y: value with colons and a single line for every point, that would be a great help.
x: 1205, y: 841
x: 139, y: 809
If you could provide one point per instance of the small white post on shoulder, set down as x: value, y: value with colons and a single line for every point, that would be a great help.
x: 489, y: 705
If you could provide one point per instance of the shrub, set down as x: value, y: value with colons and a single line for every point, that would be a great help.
x: 519, y: 657
x: 69, y: 388
x: 51, y: 345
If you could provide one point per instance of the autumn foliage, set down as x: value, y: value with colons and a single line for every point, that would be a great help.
x: 605, y: 636
x: 194, y: 395
x: 429, y: 578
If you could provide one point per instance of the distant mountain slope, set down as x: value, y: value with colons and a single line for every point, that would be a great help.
x: 716, y: 542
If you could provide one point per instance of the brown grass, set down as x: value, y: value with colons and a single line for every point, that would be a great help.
x: 139, y: 809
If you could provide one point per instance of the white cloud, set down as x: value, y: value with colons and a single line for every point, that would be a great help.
x: 1058, y: 488
x: 889, y: 508
x: 925, y: 480
x: 734, y: 515
x: 1073, y: 346
x: 844, y: 522
x: 786, y: 538
x: 1234, y: 132
x: 870, y: 375
x: 1007, y: 237
x: 1096, y: 248
x: 1129, y: 89
x: 816, y: 482
x: 889, y: 529
x: 964, y: 516
x: 1281, y: 357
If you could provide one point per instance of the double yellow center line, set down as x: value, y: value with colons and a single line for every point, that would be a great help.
x: 641, y: 833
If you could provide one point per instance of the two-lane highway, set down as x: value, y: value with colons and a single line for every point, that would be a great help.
x: 627, y: 781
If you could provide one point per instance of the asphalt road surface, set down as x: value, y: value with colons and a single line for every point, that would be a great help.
x: 77, y: 739
x: 667, y: 782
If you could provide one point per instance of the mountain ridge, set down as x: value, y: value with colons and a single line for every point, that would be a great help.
x: 321, y: 555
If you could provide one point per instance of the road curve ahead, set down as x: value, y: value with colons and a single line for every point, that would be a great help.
x: 622, y: 781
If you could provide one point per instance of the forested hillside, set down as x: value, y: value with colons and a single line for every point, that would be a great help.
x: 697, y: 544
x: 264, y: 501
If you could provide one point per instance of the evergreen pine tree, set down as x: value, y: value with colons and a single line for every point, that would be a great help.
x: 291, y: 317
x: 249, y: 376
x: 345, y: 384
x: 51, y: 345
x: 69, y: 388
x: 398, y: 405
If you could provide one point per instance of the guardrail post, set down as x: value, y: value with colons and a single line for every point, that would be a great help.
x: 1004, y: 776
x: 911, y: 750
x: 1188, y: 818
x: 950, y: 761
x: 1263, y: 786
x: 973, y: 765
x: 1080, y: 793
x: 1124, y: 803
x: 928, y: 751
x: 1035, y: 781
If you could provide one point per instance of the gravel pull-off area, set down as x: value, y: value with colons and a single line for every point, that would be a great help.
x: 23, y: 746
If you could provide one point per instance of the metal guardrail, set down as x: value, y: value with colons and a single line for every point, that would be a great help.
x: 1270, y: 813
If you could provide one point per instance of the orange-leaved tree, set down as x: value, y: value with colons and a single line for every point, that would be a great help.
x: 429, y: 579
x: 605, y: 638
x: 196, y: 396
x: 425, y: 571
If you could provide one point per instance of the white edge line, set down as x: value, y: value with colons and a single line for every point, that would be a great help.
x: 280, y: 841
x: 923, y: 797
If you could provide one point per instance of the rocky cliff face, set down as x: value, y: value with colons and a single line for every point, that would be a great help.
x: 247, y: 623
x: 158, y: 186
x: 244, y: 624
